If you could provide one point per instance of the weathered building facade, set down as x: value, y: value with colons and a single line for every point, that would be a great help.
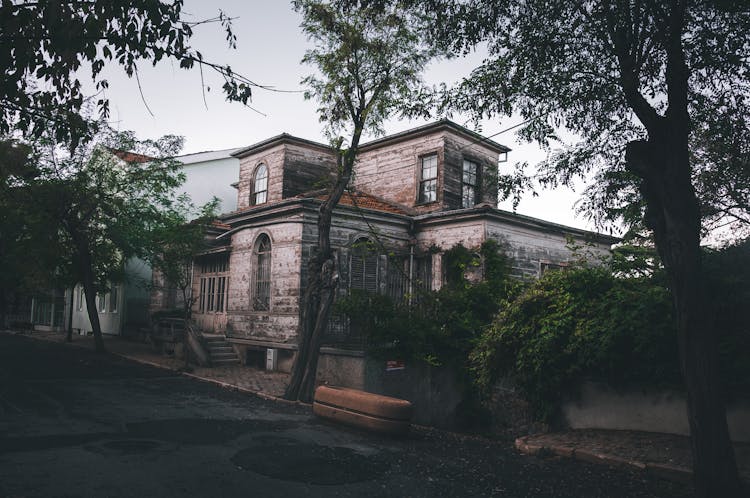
x: 414, y: 195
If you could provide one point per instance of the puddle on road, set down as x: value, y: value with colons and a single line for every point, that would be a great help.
x: 291, y: 460
x: 131, y: 446
x: 203, y: 431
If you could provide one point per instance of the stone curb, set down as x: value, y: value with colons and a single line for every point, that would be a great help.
x: 661, y: 470
x: 224, y: 385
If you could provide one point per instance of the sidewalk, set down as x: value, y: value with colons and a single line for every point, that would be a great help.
x: 663, y: 455
x: 247, y: 378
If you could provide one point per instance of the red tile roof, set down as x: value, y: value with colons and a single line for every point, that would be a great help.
x: 131, y: 157
x: 220, y: 225
x: 364, y: 200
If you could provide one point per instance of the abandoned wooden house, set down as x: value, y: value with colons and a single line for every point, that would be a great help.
x: 414, y: 194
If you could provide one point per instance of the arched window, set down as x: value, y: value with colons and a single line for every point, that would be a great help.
x: 363, y: 266
x: 262, y: 274
x: 260, y: 185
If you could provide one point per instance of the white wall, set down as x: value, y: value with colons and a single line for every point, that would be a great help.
x: 206, y: 179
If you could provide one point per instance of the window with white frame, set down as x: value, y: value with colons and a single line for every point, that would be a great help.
x: 101, y: 302
x: 428, y: 179
x: 81, y: 297
x: 213, y: 284
x: 260, y: 185
x: 470, y: 184
x: 262, y: 274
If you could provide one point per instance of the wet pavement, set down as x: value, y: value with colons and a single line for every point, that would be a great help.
x: 77, y: 424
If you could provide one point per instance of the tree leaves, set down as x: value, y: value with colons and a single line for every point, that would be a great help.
x: 45, y: 45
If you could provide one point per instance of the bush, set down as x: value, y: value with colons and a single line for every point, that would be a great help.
x: 439, y: 328
x: 613, y: 324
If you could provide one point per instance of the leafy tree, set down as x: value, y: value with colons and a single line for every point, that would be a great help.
x: 45, y: 45
x: 182, y: 237
x: 642, y: 84
x: 17, y: 166
x: 369, y: 60
x: 91, y: 210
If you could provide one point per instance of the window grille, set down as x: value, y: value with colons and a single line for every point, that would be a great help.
x: 262, y: 275
x: 213, y: 284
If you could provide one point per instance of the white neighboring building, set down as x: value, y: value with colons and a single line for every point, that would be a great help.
x: 212, y: 174
x: 124, y: 309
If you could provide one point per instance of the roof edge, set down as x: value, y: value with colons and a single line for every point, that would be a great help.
x: 432, y: 127
x: 284, y: 138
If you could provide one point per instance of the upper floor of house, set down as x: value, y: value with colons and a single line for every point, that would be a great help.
x: 437, y: 167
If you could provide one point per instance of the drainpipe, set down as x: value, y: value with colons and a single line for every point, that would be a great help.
x: 192, y: 271
x: 412, y: 243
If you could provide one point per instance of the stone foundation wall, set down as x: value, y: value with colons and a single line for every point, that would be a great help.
x: 602, y: 407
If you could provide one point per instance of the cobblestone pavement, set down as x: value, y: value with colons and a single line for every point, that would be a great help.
x: 667, y: 453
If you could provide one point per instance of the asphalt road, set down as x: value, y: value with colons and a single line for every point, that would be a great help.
x: 76, y: 424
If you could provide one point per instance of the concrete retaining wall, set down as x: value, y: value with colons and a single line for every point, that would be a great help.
x: 602, y: 407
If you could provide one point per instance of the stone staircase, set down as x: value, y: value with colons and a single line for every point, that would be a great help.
x: 220, y: 351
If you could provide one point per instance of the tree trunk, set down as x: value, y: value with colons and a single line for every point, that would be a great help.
x: 672, y: 212
x: 329, y: 281
x: 89, y: 291
x: 321, y: 286
x: 69, y: 336
x: 186, y: 316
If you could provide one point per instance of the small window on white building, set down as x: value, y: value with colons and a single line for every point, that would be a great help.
x: 113, y: 296
x: 260, y: 185
x: 81, y: 297
x: 428, y: 179
x: 101, y: 302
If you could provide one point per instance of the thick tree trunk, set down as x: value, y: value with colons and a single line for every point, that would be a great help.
x: 672, y: 212
x: 329, y: 281
x: 321, y: 287
x: 89, y: 291
x: 69, y: 335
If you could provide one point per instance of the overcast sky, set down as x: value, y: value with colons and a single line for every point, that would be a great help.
x: 270, y: 47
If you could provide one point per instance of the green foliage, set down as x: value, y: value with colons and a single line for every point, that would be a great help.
x: 46, y: 45
x: 438, y: 328
x: 590, y: 322
x: 180, y: 237
x: 84, y: 214
x: 727, y: 282
x: 369, y: 59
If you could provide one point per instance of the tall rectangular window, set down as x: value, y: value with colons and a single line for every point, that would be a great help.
x: 81, y: 296
x: 213, y: 284
x: 470, y: 184
x: 102, y: 302
x: 428, y: 179
x: 113, y: 295
x: 260, y: 185
x: 262, y: 274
